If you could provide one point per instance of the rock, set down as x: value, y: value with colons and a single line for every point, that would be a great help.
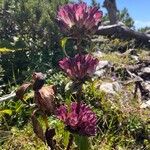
x: 136, y: 58
x: 110, y: 88
x: 117, y: 86
x: 102, y: 64
x: 145, y: 104
x: 98, y: 54
x: 146, y: 70
x: 100, y: 73
x: 107, y: 87
x: 147, y: 85
x: 101, y: 68
x: 145, y: 73
x: 131, y: 52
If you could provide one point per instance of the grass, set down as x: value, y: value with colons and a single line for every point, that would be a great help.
x: 120, y: 127
x: 117, y: 59
x: 22, y: 139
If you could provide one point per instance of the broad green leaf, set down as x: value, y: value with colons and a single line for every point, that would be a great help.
x: 6, y: 111
x: 82, y: 142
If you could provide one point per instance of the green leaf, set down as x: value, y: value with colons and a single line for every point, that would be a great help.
x: 63, y: 42
x: 4, y: 50
x: 82, y: 142
x: 66, y: 138
x: 6, y: 111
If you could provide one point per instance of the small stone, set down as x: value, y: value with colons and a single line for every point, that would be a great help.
x: 117, y: 86
x: 100, y: 73
x: 132, y: 52
x: 146, y: 70
x: 110, y: 88
x: 102, y: 64
x: 107, y: 87
x: 136, y: 58
x: 146, y: 86
x: 98, y: 54
x: 145, y: 104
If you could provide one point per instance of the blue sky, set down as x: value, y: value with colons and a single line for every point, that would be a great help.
x: 139, y: 10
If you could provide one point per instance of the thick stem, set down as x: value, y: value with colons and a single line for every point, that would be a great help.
x: 79, y: 47
x: 79, y: 94
x: 70, y: 142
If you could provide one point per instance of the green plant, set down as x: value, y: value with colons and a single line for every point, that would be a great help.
x: 29, y: 30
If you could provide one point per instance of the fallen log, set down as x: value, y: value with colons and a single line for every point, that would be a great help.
x: 123, y: 32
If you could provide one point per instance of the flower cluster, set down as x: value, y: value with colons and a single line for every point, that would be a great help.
x: 80, y: 66
x: 79, y: 19
x: 83, y: 123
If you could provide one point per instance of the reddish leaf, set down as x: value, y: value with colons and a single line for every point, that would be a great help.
x: 44, y: 98
x: 49, y: 134
x: 37, y: 128
x: 38, y: 76
x: 22, y: 89
x: 39, y: 80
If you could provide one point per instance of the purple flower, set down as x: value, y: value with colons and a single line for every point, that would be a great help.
x: 80, y: 66
x: 78, y: 18
x: 83, y: 123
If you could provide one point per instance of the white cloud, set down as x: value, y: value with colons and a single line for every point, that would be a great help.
x: 141, y: 24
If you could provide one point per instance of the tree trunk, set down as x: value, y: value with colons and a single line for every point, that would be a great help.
x: 111, y: 7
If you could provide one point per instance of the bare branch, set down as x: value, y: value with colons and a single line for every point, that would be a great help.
x: 8, y: 97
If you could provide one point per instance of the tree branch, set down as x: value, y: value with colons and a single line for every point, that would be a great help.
x: 8, y: 96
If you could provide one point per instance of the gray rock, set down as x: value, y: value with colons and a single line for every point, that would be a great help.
x: 131, y: 52
x: 146, y: 70
x: 145, y: 104
x: 145, y: 73
x: 110, y: 88
x: 100, y: 73
x: 117, y: 86
x: 98, y: 54
x: 147, y: 85
x: 136, y: 58
x: 102, y: 64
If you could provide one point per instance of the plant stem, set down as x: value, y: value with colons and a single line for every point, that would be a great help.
x: 45, y: 120
x: 70, y: 142
x: 79, y: 93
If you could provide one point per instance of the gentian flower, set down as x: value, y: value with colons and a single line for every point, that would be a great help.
x: 79, y: 67
x: 79, y: 19
x: 84, y: 123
